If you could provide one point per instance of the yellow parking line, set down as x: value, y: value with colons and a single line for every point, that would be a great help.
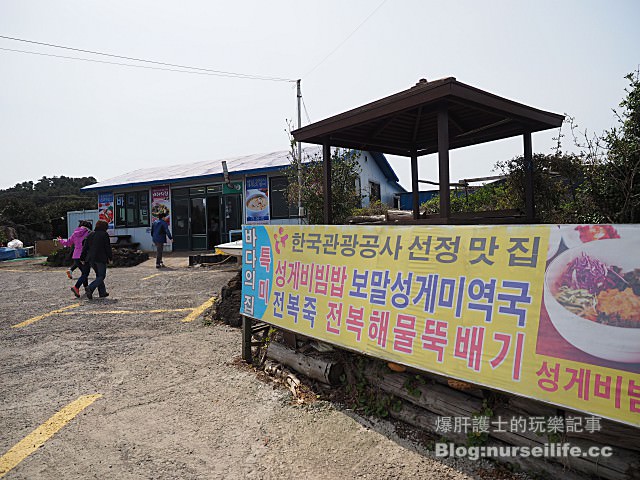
x: 199, y: 310
x: 40, y: 317
x: 128, y: 312
x: 150, y: 276
x: 44, y: 432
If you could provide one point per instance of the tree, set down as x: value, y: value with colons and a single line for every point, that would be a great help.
x: 345, y: 169
x: 493, y: 196
x: 557, y: 179
x: 615, y: 180
x: 37, y: 210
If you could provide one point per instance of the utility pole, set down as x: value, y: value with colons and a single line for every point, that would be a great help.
x: 299, y: 151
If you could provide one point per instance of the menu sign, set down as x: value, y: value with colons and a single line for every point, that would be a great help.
x: 105, y: 208
x: 160, y: 203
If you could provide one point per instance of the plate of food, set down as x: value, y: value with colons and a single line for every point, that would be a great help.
x: 592, y: 296
x: 574, y: 235
x: 257, y: 202
x: 158, y: 208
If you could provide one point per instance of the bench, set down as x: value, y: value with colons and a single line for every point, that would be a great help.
x: 123, y: 241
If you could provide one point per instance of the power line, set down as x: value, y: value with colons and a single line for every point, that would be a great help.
x: 230, y: 75
x: 305, y: 110
x: 220, y: 73
x: 345, y: 40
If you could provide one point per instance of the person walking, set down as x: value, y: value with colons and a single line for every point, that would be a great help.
x: 75, y: 241
x: 83, y: 266
x: 159, y: 233
x: 97, y: 253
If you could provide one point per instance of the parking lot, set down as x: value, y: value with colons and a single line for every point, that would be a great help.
x: 137, y: 386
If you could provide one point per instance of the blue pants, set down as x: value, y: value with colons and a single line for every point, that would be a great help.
x: 101, y: 273
x: 85, y: 268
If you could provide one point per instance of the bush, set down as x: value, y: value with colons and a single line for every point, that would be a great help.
x: 375, y: 208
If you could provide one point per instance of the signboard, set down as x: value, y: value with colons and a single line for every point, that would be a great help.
x: 256, y: 200
x: 543, y: 311
x: 105, y: 208
x: 160, y: 202
x: 231, y: 188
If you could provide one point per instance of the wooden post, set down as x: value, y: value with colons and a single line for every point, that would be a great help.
x: 443, y: 161
x: 247, y: 324
x: 414, y: 185
x: 529, y: 204
x: 326, y: 177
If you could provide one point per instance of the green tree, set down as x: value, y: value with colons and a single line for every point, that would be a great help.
x: 493, y: 196
x: 615, y: 177
x: 37, y: 210
x: 345, y: 169
x: 557, y: 180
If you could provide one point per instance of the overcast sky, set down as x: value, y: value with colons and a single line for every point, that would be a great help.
x: 75, y: 118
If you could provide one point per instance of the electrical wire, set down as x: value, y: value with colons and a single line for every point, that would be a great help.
x: 304, y: 105
x: 208, y: 71
x: 140, y: 66
x: 345, y: 40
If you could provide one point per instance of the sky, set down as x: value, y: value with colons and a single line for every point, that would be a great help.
x: 78, y: 118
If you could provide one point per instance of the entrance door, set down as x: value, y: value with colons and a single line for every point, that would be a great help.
x: 180, y: 221
x: 232, y: 209
x: 213, y: 222
x: 198, y: 223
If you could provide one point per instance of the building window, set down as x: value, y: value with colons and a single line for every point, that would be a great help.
x: 132, y: 209
x: 374, y: 192
x: 280, y: 206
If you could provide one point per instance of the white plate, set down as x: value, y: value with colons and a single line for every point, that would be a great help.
x: 617, y: 344
x: 571, y: 236
x: 554, y: 241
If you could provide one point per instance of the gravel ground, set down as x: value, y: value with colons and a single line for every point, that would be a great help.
x: 175, y: 404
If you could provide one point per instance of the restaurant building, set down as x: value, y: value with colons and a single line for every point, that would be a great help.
x: 207, y: 202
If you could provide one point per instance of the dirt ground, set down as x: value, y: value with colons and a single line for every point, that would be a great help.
x: 174, y: 402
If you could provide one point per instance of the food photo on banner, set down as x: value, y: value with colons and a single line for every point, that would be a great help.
x: 105, y: 208
x: 257, y: 200
x: 544, y: 311
x: 160, y: 203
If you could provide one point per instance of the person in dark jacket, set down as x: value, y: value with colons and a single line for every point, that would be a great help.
x: 159, y: 233
x: 97, y: 253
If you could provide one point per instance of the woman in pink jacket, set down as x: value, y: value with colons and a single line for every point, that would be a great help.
x: 79, y: 234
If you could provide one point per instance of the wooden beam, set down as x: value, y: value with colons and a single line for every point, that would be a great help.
x: 529, y: 205
x: 247, y: 323
x: 414, y: 186
x: 456, y: 123
x: 326, y: 180
x: 380, y: 128
x: 443, y: 161
x: 416, y: 126
x: 485, y: 127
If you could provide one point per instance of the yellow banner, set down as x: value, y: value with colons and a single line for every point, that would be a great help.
x: 544, y: 311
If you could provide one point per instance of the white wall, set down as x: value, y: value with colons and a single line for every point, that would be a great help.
x: 74, y: 217
x: 142, y: 235
x: 371, y: 172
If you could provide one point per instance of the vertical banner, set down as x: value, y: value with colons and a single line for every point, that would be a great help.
x: 160, y: 202
x: 256, y: 200
x: 544, y: 311
x: 105, y: 208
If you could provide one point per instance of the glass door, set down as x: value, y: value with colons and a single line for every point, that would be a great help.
x: 232, y: 209
x: 180, y: 221
x: 198, y: 224
x: 213, y: 222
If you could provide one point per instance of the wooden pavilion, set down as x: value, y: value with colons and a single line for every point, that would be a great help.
x: 431, y: 117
